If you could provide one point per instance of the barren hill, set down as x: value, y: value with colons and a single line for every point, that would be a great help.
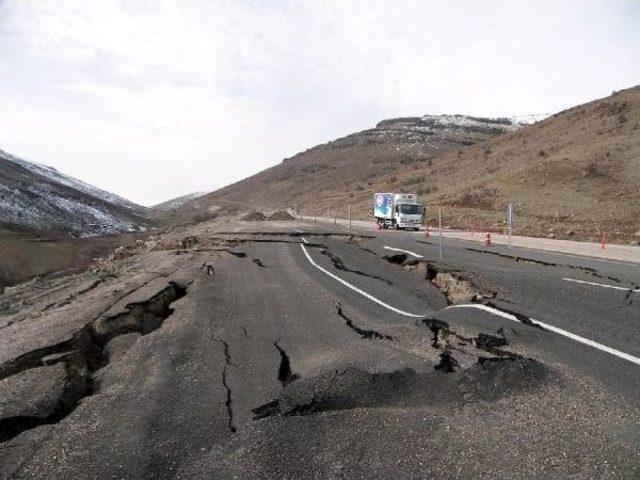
x: 330, y: 174
x: 567, y: 175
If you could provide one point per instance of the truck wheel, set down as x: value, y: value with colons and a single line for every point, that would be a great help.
x: 397, y: 227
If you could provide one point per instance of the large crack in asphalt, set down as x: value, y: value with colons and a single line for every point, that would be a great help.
x: 225, y: 383
x: 285, y: 374
x: 519, y: 316
x: 517, y: 258
x: 84, y: 354
x: 366, y: 334
x: 339, y: 265
x: 456, y: 286
x: 489, y: 378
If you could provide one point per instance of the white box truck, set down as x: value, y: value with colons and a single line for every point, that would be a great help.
x: 397, y: 210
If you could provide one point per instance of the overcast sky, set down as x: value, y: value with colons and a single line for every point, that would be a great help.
x: 152, y: 99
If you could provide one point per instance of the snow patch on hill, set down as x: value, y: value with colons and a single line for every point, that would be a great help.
x: 57, y: 177
x: 39, y: 197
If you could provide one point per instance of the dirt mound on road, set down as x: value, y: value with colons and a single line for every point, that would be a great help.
x: 281, y: 216
x: 254, y: 217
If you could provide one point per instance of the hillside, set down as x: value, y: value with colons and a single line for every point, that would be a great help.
x: 41, y: 198
x: 176, y: 202
x: 567, y: 175
x: 330, y: 174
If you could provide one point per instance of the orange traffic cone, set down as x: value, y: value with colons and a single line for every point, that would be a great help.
x: 487, y: 239
x: 426, y: 231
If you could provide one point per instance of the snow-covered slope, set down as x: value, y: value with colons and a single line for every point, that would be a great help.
x: 57, y: 177
x: 176, y: 202
x: 39, y: 197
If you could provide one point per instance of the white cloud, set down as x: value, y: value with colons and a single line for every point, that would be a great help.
x: 154, y: 99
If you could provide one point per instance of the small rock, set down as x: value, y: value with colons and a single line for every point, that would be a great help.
x: 150, y: 245
x: 551, y: 235
x: 571, y: 233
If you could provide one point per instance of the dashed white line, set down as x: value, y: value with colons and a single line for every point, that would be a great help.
x: 403, y: 251
x: 551, y: 328
x: 354, y: 288
x: 604, y: 285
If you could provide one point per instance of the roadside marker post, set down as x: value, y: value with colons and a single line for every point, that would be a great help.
x: 440, y: 227
x: 426, y: 231
x: 603, y: 239
x: 510, y: 222
x: 350, y: 236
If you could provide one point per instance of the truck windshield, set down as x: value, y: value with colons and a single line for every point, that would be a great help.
x: 411, y: 209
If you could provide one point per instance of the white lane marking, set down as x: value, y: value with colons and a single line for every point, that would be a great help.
x: 486, y: 308
x: 575, y: 280
x: 403, y: 251
x: 631, y: 263
x: 559, y: 331
x: 356, y: 289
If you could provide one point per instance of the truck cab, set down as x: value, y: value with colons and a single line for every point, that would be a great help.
x: 407, y: 215
x: 397, y: 210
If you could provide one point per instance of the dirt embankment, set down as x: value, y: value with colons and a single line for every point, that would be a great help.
x: 25, y: 255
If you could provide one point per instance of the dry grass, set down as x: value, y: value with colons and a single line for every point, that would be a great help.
x: 24, y: 254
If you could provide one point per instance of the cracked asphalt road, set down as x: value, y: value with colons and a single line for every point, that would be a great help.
x: 267, y: 367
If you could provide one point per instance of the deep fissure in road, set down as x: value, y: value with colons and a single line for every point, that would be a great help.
x: 441, y: 339
x: 84, y: 354
x: 367, y: 334
x: 544, y: 263
x: 339, y: 265
x: 225, y: 383
x: 285, y: 374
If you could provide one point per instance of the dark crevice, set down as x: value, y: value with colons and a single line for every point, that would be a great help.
x: 285, y: 375
x: 442, y: 340
x: 258, y: 262
x: 544, y: 263
x: 85, y: 353
x: 74, y: 295
x: 339, y: 264
x: 456, y: 286
x: 225, y: 383
x: 367, y: 334
x: 266, y: 410
x: 228, y: 402
x: 447, y: 362
x: 244, y: 332
x: 396, y: 258
x: 519, y: 316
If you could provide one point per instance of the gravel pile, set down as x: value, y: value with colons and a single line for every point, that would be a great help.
x: 254, y: 217
x: 281, y: 216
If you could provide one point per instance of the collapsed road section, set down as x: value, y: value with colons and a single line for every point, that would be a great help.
x: 62, y: 374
